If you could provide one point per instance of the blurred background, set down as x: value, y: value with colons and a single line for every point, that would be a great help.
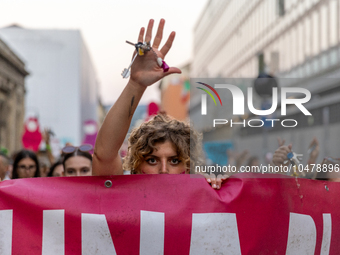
x: 295, y: 43
x: 61, y: 61
x: 60, y: 65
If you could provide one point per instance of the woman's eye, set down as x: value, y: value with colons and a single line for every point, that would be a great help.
x: 70, y: 172
x: 151, y: 161
x: 175, y: 161
x: 85, y: 170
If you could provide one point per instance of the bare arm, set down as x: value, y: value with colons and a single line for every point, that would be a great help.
x: 144, y: 72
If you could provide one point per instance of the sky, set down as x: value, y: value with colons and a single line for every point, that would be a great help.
x: 105, y: 25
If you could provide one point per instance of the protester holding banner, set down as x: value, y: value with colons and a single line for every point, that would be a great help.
x: 77, y: 161
x: 161, y: 145
x: 57, y: 169
x: 25, y: 165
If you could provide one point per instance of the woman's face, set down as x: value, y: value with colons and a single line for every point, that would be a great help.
x: 163, y: 160
x: 58, y: 171
x: 26, y: 168
x: 78, y: 166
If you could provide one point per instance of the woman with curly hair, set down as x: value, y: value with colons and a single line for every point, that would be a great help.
x: 147, y: 141
x: 161, y: 145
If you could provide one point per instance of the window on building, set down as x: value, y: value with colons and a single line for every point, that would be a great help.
x: 280, y: 7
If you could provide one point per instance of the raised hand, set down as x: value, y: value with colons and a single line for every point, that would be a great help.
x: 145, y: 70
x: 313, y: 151
x: 280, y: 141
x: 280, y: 155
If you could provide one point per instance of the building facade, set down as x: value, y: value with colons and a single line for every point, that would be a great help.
x: 62, y: 90
x: 297, y: 41
x: 12, y: 98
x: 175, y: 94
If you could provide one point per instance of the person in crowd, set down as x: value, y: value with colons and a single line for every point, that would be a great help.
x: 159, y: 146
x: 280, y: 155
x: 77, y: 161
x: 47, y: 138
x: 25, y: 165
x: 57, y: 169
x: 329, y: 170
x: 4, y: 167
x: 44, y: 163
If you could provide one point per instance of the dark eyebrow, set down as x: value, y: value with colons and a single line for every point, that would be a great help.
x: 151, y: 155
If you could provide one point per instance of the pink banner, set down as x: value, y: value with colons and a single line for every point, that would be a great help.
x: 169, y: 214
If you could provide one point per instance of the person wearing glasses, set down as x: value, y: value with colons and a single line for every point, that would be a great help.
x: 160, y: 145
x: 25, y: 165
x: 77, y: 161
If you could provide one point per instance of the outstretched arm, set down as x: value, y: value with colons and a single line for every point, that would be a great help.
x: 144, y: 72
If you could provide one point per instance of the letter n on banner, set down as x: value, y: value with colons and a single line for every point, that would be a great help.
x: 151, y: 233
x: 96, y: 236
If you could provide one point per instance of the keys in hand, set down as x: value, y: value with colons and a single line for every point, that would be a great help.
x: 294, y: 158
x: 140, y: 48
x: 126, y: 71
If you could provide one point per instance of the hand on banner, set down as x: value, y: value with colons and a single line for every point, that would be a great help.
x: 216, y: 181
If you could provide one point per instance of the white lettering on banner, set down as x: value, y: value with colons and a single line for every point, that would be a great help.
x: 6, y: 225
x: 327, y: 233
x: 96, y: 237
x: 216, y: 232
x: 301, y: 234
x: 53, y: 240
x: 151, y: 233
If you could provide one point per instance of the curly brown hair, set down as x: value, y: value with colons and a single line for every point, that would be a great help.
x: 160, y: 129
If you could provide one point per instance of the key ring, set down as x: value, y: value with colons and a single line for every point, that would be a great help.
x: 141, y: 48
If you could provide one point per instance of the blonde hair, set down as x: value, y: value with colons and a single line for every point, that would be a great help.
x: 160, y: 129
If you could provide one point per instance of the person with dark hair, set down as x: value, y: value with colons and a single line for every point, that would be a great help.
x: 4, y: 166
x: 77, y: 161
x: 25, y: 165
x: 57, y: 169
